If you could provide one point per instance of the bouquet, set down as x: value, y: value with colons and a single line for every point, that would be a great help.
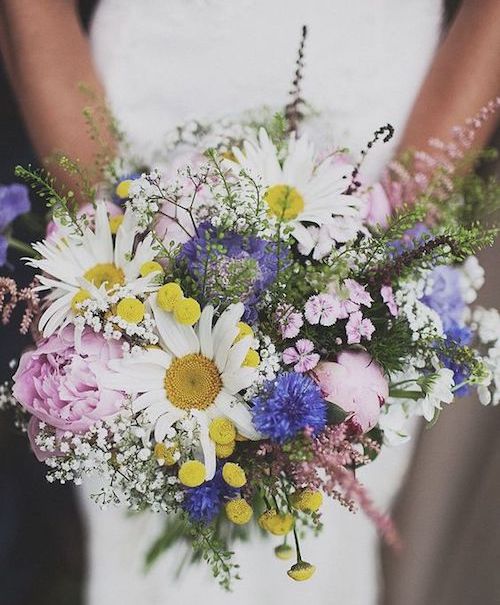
x: 229, y: 337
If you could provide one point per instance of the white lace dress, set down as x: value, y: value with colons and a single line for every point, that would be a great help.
x: 164, y: 62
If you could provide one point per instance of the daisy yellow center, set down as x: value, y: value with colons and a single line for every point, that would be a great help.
x: 105, y: 273
x: 192, y: 382
x: 284, y: 202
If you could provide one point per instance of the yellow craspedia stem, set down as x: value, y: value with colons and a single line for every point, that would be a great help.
x: 115, y: 223
x: 168, y: 295
x: 192, y: 473
x: 222, y: 431
x: 234, y: 475
x: 252, y: 359
x: 187, y: 311
x: 284, y: 202
x: 78, y: 298
x: 165, y: 454
x: 284, y: 552
x: 224, y: 451
x: 301, y: 571
x: 150, y: 267
x: 131, y: 310
x: 238, y: 511
x: 308, y: 500
x: 243, y: 330
x: 123, y: 189
x: 276, y: 523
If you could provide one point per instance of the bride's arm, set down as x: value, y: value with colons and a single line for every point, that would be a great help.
x: 464, y: 75
x: 47, y: 57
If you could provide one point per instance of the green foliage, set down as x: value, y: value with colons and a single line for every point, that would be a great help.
x: 62, y: 204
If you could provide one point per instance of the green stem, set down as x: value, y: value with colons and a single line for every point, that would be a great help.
x: 21, y: 246
x: 297, y: 545
x: 402, y: 394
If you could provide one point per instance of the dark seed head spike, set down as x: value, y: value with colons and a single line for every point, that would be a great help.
x: 293, y: 112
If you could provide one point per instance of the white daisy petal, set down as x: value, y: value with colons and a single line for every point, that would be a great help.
x: 148, y: 399
x: 207, y: 445
x: 238, y: 413
x: 165, y: 422
x: 179, y: 339
x: 205, y: 332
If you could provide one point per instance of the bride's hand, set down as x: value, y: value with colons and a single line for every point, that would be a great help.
x: 463, y: 77
x: 47, y: 57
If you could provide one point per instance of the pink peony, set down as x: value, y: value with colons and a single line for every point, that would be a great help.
x: 58, y: 381
x: 356, y: 383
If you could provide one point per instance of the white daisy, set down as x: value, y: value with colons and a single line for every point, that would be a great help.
x: 196, y: 374
x: 297, y: 189
x: 90, y: 265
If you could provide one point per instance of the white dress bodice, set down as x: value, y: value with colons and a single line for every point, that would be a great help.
x: 165, y: 62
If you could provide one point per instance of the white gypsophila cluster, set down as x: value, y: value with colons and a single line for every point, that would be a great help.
x: 6, y: 398
x: 424, y: 322
x: 96, y: 315
x: 270, y: 364
x: 144, y: 193
x: 113, y: 451
x: 486, y: 322
x: 242, y: 208
x: 472, y: 278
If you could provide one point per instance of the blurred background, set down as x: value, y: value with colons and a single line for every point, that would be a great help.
x: 447, y: 510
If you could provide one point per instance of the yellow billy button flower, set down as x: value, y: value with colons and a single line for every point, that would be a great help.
x: 276, y: 523
x: 222, y: 431
x: 301, y: 571
x: 187, y: 311
x: 168, y: 295
x: 192, y: 473
x: 307, y: 500
x: 284, y: 552
x: 150, y: 267
x: 238, y: 511
x: 234, y: 475
x: 78, y: 298
x: 115, y: 223
x: 123, y: 189
x: 252, y: 359
x: 130, y: 310
x: 165, y: 454
x: 224, y: 451
x: 244, y: 330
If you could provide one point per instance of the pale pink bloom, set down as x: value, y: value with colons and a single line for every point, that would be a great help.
x: 357, y: 328
x: 356, y: 383
x: 346, y: 307
x: 55, y: 230
x: 388, y: 297
x: 59, y: 382
x: 358, y: 293
x: 378, y: 207
x: 321, y: 309
x: 301, y: 356
x: 289, y: 321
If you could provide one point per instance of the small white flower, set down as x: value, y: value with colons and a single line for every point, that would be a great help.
x: 440, y: 392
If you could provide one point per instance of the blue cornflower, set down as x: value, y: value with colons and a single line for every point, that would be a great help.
x: 231, y: 264
x: 14, y: 200
x: 288, y: 405
x: 203, y: 503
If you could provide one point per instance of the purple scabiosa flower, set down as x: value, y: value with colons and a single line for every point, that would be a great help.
x: 411, y: 239
x: 203, y: 503
x: 288, y: 405
x: 232, y: 264
x: 14, y: 201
